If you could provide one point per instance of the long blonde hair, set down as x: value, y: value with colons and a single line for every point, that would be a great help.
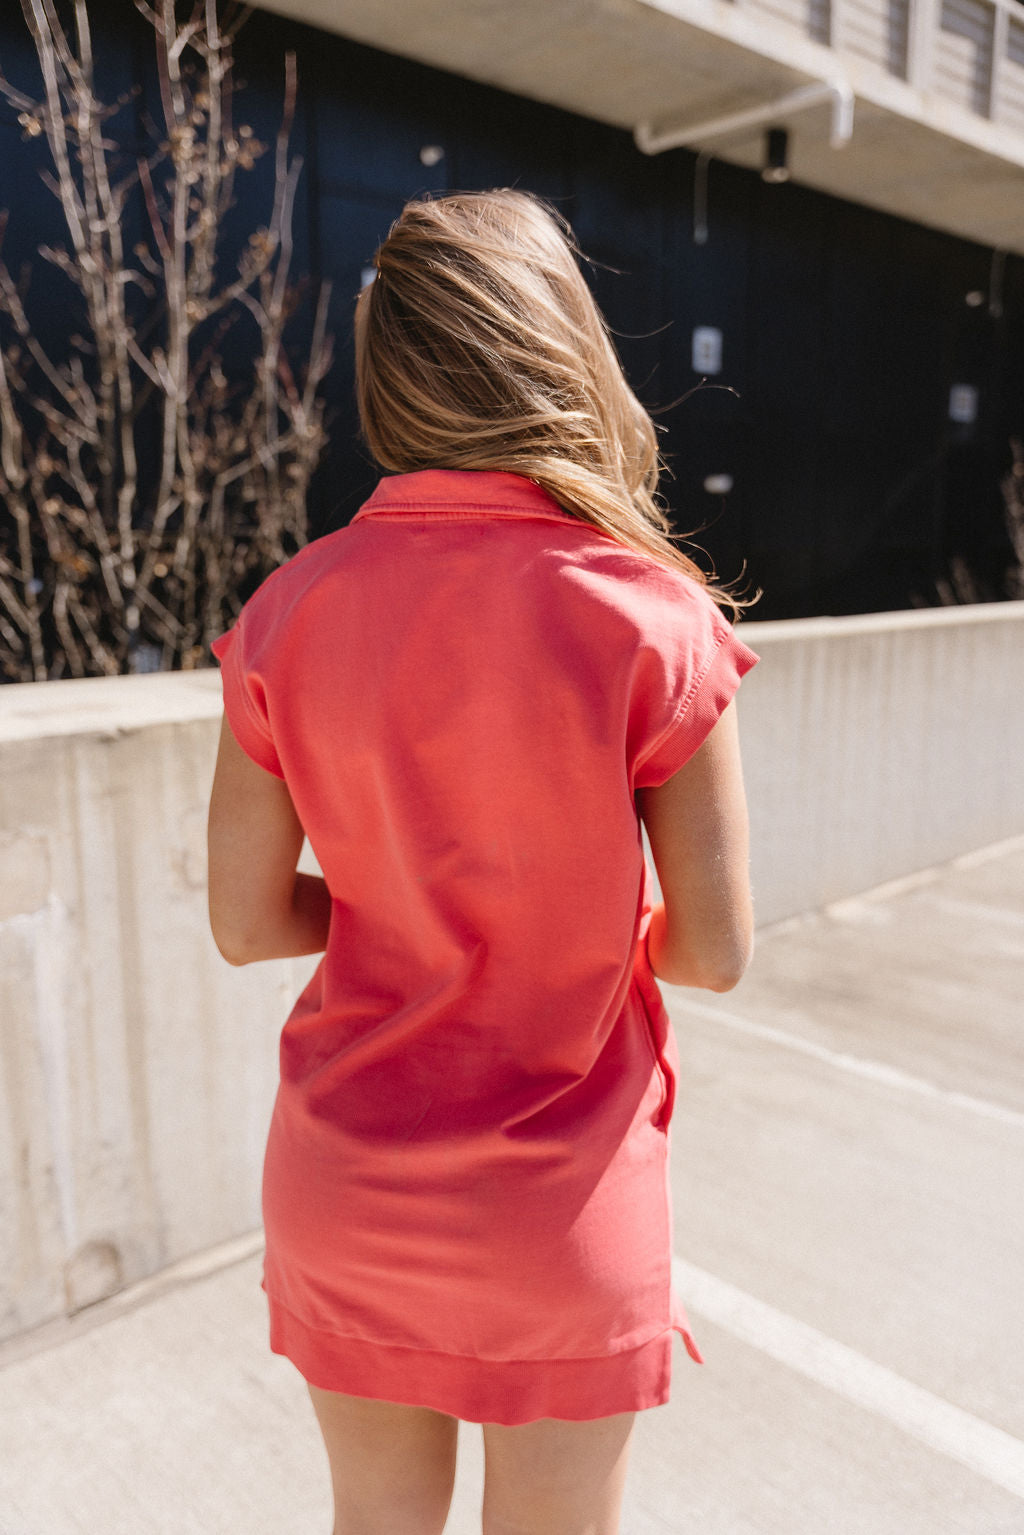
x: 479, y: 346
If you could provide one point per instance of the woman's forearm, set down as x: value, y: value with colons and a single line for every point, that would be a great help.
x: 300, y: 928
x: 310, y: 922
x: 673, y: 959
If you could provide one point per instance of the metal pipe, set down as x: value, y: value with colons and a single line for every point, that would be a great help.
x: 653, y: 142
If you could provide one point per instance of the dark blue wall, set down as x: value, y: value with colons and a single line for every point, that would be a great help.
x: 844, y: 328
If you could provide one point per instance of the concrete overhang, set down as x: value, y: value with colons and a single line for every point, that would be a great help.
x: 662, y: 64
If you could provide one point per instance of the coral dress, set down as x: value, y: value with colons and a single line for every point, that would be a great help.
x: 465, y: 1190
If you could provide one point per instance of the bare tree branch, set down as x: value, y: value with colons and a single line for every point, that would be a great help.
x: 106, y: 550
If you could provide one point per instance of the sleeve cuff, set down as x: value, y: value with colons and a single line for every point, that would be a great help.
x: 247, y: 728
x: 699, y: 712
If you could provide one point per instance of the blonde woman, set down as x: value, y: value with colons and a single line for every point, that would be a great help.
x: 467, y: 700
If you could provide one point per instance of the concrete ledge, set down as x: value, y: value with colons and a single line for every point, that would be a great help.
x: 788, y: 630
x: 878, y: 745
x: 97, y: 705
x: 137, y: 1069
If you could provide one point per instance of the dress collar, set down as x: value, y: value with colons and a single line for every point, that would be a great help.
x: 466, y: 493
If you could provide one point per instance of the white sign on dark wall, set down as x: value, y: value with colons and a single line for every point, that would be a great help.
x: 707, y: 349
x: 963, y: 403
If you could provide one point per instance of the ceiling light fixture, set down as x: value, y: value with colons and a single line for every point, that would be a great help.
x: 776, y: 155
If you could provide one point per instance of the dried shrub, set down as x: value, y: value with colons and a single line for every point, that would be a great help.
x: 1013, y: 500
x: 146, y: 488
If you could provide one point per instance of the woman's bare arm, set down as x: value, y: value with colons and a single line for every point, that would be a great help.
x: 260, y: 906
x: 702, y: 934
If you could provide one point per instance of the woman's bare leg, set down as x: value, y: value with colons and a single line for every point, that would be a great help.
x: 392, y: 1467
x: 556, y: 1478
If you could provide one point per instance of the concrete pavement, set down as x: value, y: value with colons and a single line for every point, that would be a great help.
x: 848, y: 1150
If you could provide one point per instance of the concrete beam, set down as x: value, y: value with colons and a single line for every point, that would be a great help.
x: 913, y: 153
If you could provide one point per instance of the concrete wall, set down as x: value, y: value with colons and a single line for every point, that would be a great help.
x: 878, y: 745
x: 137, y: 1069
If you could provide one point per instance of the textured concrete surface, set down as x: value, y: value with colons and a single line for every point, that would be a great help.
x: 848, y: 1160
x: 127, y: 1042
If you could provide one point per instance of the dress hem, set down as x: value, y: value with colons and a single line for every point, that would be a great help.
x: 509, y: 1392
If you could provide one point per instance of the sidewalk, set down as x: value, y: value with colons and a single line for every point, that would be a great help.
x: 848, y: 1151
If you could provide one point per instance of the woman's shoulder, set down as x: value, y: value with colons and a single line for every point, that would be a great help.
x: 289, y: 582
x: 641, y: 587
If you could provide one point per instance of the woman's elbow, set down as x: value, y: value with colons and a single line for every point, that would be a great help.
x: 708, y: 977
x: 232, y: 949
x: 236, y: 956
x: 731, y: 966
x: 726, y: 977
x: 234, y: 943
x: 718, y: 968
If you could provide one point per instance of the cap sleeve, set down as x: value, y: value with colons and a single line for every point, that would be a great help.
x: 695, y: 663
x: 245, y: 702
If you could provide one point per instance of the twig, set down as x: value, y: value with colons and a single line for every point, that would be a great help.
x: 102, y: 552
